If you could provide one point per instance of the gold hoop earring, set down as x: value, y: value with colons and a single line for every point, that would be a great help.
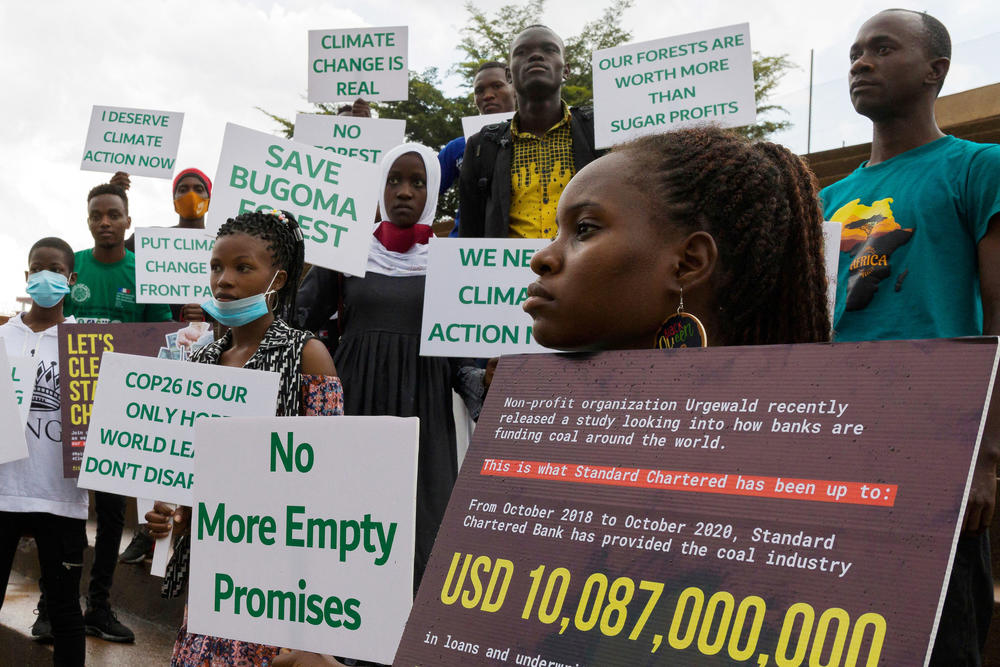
x: 681, y: 330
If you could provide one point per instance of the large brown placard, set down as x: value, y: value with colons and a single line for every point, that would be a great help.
x: 781, y: 505
x: 80, y: 350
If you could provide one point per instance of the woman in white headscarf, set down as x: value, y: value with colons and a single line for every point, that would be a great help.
x: 378, y: 355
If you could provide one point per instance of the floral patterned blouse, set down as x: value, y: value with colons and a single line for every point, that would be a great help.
x: 313, y: 395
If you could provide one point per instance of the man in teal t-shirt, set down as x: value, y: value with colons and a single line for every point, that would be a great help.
x: 105, y: 288
x: 920, y: 258
x: 911, y: 227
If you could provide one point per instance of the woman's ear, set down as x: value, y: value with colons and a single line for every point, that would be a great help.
x: 72, y: 278
x: 280, y: 278
x: 696, y: 259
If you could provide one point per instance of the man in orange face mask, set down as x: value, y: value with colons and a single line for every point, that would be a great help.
x: 192, y: 192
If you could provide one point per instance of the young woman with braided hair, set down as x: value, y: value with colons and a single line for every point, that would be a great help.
x: 256, y: 255
x: 730, y: 229
x: 735, y: 225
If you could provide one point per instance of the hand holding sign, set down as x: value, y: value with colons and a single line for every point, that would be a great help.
x: 122, y: 180
x: 164, y: 520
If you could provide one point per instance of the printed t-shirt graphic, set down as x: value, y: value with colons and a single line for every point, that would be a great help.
x: 105, y: 293
x: 870, y: 234
x: 541, y: 167
x: 46, y: 392
x: 909, y: 266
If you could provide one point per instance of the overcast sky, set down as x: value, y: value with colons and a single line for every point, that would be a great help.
x: 217, y: 60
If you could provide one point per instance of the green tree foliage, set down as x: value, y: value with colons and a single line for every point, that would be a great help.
x: 432, y: 118
x: 488, y: 37
x: 603, y: 33
x: 767, y: 72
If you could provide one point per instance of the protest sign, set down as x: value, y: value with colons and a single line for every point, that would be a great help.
x: 13, y: 445
x: 708, y: 506
x: 665, y: 84
x: 370, y: 63
x: 831, y: 258
x: 302, y: 532
x: 142, y: 142
x: 171, y: 265
x: 141, y: 437
x: 366, y: 139
x: 473, y: 295
x: 333, y: 198
x: 472, y: 124
x: 22, y: 375
x: 80, y: 350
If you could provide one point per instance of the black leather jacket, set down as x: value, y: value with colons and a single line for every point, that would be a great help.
x: 485, y: 181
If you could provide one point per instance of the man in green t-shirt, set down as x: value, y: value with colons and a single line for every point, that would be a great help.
x: 105, y: 289
x: 105, y: 292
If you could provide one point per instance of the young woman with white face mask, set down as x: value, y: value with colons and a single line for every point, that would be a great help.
x: 255, y: 268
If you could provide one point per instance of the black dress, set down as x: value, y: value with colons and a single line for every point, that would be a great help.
x: 378, y: 360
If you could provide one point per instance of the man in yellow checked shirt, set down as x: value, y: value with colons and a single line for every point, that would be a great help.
x: 514, y: 172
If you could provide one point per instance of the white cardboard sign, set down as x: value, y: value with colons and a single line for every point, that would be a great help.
x: 171, y: 265
x: 140, y: 442
x: 666, y: 84
x: 333, y: 197
x: 472, y: 124
x: 142, y: 142
x: 831, y: 257
x: 22, y: 375
x: 13, y: 445
x: 473, y: 296
x: 366, y: 139
x: 370, y: 63
x: 328, y: 564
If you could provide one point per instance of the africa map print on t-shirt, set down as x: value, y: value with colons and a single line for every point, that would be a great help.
x: 870, y: 234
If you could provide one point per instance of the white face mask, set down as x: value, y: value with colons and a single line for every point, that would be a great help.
x: 240, y: 311
x: 47, y: 288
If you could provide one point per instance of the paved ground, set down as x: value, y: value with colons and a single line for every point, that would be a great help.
x: 152, y: 645
x: 135, y: 598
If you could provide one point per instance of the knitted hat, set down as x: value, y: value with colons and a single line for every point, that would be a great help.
x: 197, y: 173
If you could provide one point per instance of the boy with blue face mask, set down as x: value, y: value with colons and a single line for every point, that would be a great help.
x: 34, y: 497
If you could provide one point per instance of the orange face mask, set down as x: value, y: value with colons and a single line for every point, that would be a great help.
x: 191, y: 206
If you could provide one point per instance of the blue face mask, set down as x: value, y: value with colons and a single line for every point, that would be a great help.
x: 47, y: 288
x: 241, y: 311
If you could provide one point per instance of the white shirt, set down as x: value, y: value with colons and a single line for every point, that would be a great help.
x: 36, y: 484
